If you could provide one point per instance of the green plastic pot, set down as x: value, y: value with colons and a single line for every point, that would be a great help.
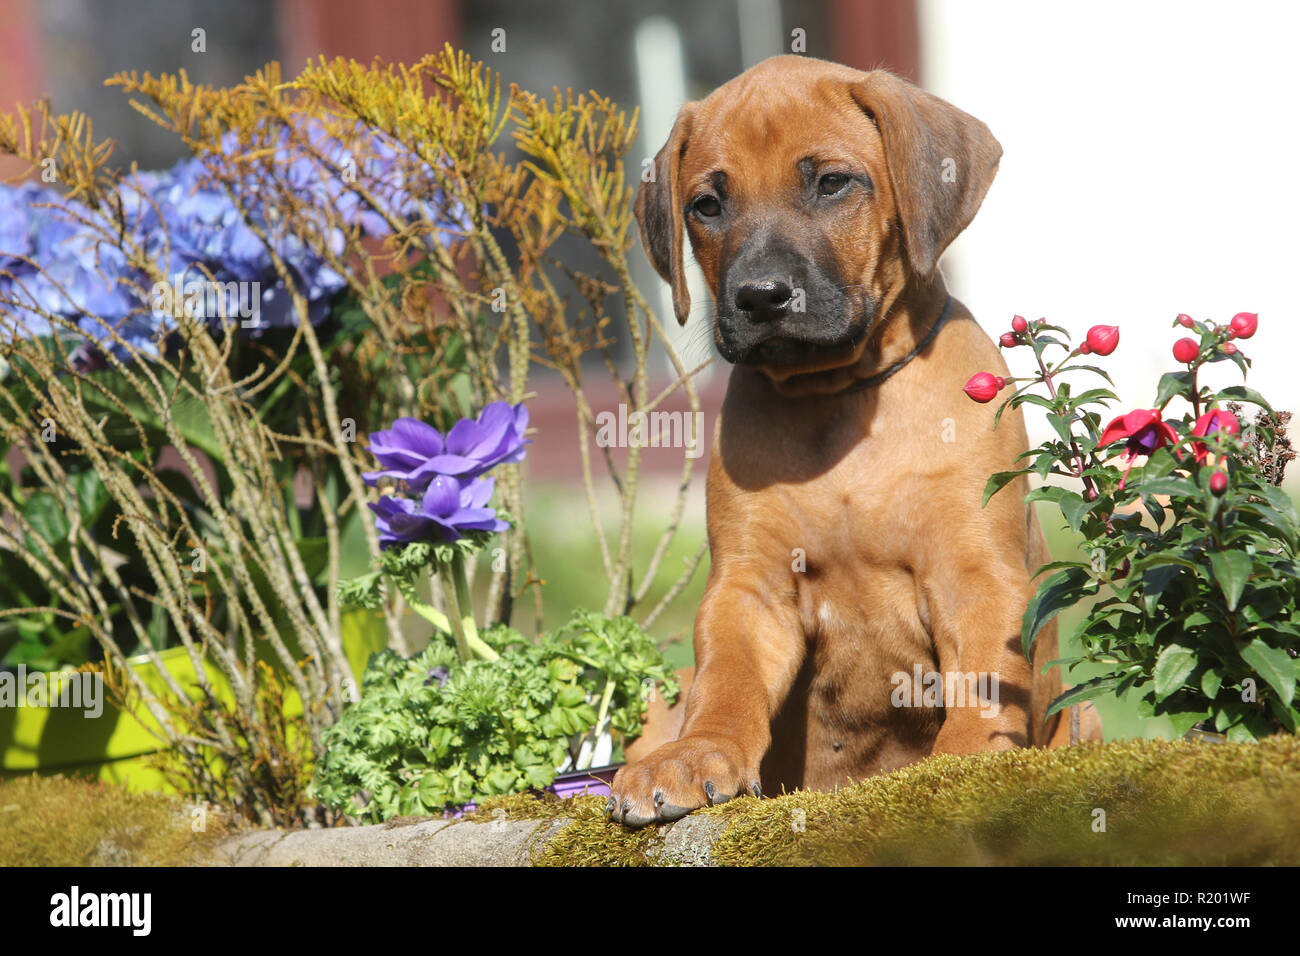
x: 116, y: 745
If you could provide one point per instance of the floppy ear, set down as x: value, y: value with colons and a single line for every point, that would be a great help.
x: 659, y: 213
x: 941, y: 163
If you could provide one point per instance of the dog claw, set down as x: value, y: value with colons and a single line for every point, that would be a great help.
x: 670, y: 812
x: 756, y: 789
x: 659, y: 798
x: 610, y: 804
x: 709, y: 790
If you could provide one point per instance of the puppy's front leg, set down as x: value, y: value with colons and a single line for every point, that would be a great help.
x: 748, y: 649
x: 987, y: 681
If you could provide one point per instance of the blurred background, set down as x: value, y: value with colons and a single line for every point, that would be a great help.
x: 1148, y: 161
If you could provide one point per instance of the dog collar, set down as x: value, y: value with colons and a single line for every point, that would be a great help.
x: 921, y: 346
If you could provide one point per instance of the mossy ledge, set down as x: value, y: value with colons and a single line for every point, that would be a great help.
x: 1161, y: 803
x: 1164, y: 803
x: 68, y: 821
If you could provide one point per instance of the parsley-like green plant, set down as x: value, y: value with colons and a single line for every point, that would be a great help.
x: 433, y: 731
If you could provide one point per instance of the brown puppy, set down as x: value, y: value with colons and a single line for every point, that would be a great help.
x: 850, y: 554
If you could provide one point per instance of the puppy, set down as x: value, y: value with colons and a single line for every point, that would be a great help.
x: 862, y: 610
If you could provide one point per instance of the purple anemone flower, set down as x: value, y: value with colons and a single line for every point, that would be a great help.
x: 412, y: 452
x: 448, y: 509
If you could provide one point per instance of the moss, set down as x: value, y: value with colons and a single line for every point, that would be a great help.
x: 1164, y: 803
x: 591, y: 840
x: 61, y: 821
x: 519, y: 806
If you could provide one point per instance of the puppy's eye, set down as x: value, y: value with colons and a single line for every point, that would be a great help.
x: 832, y: 183
x: 707, y: 206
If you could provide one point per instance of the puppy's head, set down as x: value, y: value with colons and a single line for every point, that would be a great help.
x: 811, y: 193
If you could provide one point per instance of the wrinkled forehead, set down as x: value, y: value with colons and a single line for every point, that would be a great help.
x: 759, y: 133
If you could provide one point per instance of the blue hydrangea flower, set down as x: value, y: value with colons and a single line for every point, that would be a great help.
x: 54, y: 259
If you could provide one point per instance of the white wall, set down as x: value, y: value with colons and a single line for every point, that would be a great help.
x: 1149, y: 168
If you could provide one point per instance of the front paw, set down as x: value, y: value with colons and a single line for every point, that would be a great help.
x: 677, y: 778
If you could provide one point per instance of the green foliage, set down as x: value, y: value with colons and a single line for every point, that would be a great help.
x: 1192, y: 594
x: 430, y: 732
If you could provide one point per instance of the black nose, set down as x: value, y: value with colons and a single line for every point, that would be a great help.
x: 764, y: 298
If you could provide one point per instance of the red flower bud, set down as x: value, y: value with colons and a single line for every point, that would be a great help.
x: 1085, y: 349
x: 1218, y: 483
x: 1245, y: 324
x: 983, y: 387
x: 1019, y: 324
x: 1229, y: 348
x: 1008, y: 340
x: 1184, y: 320
x: 1102, y: 339
x: 1186, y: 350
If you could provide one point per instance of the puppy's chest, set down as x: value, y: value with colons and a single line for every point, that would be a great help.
x: 865, y: 508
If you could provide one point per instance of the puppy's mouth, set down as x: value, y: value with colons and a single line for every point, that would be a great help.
x: 789, y: 352
x: 782, y: 351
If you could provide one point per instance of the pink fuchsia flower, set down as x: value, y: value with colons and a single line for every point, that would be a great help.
x: 1215, y: 420
x: 1008, y: 340
x: 1143, y: 431
x: 1186, y: 350
x: 1019, y: 323
x: 1185, y: 320
x: 1102, y: 339
x: 1229, y: 348
x: 1245, y: 324
x: 983, y: 387
x: 1218, y: 483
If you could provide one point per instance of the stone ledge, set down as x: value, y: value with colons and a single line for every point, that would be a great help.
x: 439, y: 843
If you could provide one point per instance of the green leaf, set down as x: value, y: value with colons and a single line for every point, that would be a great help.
x: 1154, y: 582
x: 1088, y: 368
x: 91, y: 493
x: 570, y: 696
x: 1274, y: 665
x: 1057, y: 565
x: 1173, y: 666
x: 1231, y: 571
x: 1211, y: 681
x: 998, y: 480
x: 1171, y: 384
x: 1186, y: 720
x: 1050, y: 493
x: 1168, y: 486
x: 46, y: 517
x: 1240, y: 393
x: 1074, y: 509
x: 1062, y: 425
x: 1100, y: 395
x: 1054, y: 595
x: 1087, y: 691
x: 1033, y: 399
